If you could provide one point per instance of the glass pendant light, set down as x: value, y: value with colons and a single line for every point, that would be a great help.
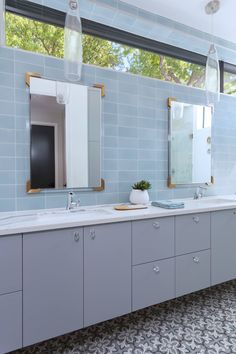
x: 2, y: 22
x: 73, y: 51
x: 212, y: 76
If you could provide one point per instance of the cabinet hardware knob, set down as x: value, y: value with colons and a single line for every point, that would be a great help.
x: 92, y: 234
x: 156, y: 269
x: 196, y: 259
x: 196, y: 219
x: 234, y: 212
x: 156, y: 225
x: 76, y: 236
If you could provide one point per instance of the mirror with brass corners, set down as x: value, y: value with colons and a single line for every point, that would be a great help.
x: 189, y: 144
x: 65, y: 135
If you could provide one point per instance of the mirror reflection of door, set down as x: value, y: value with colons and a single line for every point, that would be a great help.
x: 76, y: 159
x: 43, y: 156
x: 47, y: 143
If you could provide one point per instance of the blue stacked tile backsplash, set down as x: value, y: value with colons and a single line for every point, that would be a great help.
x: 134, y: 130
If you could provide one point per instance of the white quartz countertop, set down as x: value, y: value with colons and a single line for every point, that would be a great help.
x: 51, y: 219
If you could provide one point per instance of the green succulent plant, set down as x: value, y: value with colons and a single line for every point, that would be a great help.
x: 142, y: 185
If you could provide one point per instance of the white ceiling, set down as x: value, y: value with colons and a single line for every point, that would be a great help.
x: 192, y: 13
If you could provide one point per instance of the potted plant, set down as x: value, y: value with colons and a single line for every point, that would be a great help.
x: 139, y: 193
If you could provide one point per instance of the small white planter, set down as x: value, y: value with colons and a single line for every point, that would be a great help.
x: 139, y: 197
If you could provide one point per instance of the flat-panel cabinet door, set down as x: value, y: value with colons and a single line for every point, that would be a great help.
x: 223, y: 246
x: 10, y: 264
x: 192, y: 272
x: 107, y: 272
x: 10, y: 322
x: 153, y: 283
x: 52, y: 283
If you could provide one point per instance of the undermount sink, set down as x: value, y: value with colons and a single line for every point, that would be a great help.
x: 8, y: 220
x: 214, y: 201
x: 50, y: 215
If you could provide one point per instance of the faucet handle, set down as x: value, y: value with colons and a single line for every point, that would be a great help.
x: 77, y: 202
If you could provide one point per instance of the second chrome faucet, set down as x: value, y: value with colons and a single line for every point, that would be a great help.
x: 199, y: 192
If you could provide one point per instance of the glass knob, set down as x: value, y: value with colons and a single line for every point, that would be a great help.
x: 92, y: 234
x: 156, y: 269
x: 196, y: 259
x: 196, y: 219
x: 156, y: 225
x: 76, y: 236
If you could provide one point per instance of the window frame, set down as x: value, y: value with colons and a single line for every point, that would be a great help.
x: 55, y: 17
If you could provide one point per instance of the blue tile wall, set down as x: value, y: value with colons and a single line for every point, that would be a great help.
x: 134, y: 119
x: 134, y: 134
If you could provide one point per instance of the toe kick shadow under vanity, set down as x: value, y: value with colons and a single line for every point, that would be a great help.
x: 80, y: 276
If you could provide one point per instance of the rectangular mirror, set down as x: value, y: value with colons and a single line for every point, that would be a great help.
x: 189, y: 143
x: 65, y: 138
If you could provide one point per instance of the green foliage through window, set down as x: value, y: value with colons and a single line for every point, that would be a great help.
x: 43, y: 38
x: 230, y: 83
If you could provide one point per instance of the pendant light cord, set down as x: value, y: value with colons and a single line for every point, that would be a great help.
x: 212, y: 28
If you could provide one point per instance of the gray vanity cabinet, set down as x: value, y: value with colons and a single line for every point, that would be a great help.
x: 223, y: 246
x: 10, y: 322
x: 152, y: 239
x: 192, y: 233
x: 153, y: 283
x: 52, y: 284
x: 192, y: 272
x: 10, y: 293
x: 107, y: 272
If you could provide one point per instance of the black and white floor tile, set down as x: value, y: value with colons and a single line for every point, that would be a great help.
x: 200, y: 323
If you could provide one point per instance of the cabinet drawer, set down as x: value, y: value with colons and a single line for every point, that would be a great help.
x: 192, y: 272
x: 153, y: 283
x: 192, y: 233
x: 152, y: 239
x: 10, y: 264
x: 10, y: 322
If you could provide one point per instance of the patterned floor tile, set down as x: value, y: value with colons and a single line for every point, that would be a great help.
x: 199, y: 323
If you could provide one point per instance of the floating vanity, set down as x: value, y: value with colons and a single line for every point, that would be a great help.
x: 61, y: 271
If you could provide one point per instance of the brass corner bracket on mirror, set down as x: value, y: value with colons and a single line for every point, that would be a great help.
x: 169, y: 183
x: 170, y: 100
x: 30, y: 190
x: 28, y: 75
x: 102, y: 88
x: 101, y: 187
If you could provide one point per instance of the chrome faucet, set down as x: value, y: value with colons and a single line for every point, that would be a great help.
x: 71, y: 202
x: 199, y: 192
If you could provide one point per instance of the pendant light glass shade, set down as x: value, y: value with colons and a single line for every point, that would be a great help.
x: 2, y: 22
x: 73, y: 51
x: 212, y: 82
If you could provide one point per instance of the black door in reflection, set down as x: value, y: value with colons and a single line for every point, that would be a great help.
x: 42, y: 156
